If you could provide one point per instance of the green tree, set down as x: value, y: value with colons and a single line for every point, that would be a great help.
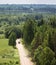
x: 44, y: 56
x: 53, y: 62
x: 36, y: 41
x: 16, y: 30
x: 53, y: 22
x: 41, y: 22
x: 52, y: 40
x: 29, y: 31
x: 12, y: 39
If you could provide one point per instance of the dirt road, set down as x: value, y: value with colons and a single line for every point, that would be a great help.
x: 24, y: 59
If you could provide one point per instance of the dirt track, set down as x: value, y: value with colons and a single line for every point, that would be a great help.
x: 24, y: 59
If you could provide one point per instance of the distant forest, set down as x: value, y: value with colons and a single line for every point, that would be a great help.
x: 26, y: 8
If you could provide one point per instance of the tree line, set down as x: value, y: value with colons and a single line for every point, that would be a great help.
x: 40, y: 38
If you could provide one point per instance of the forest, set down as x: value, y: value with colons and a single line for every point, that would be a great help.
x: 27, y: 8
x: 37, y: 30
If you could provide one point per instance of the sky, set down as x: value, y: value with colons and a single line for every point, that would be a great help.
x: 27, y: 1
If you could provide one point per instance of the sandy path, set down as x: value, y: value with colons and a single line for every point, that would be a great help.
x: 24, y: 59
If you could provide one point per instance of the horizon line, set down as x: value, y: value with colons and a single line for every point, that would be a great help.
x: 26, y: 3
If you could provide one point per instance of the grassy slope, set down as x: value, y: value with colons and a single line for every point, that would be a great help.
x: 8, y: 55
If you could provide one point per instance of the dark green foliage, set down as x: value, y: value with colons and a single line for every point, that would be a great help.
x: 39, y: 16
x: 16, y: 30
x: 12, y: 39
x: 1, y: 32
x: 44, y: 36
x: 43, y: 56
x: 37, y: 40
x: 29, y: 31
x: 53, y: 62
x: 52, y: 40
x: 41, y: 22
x: 53, y: 22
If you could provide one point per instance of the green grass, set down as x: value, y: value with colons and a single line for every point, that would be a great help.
x: 8, y: 55
x: 4, y: 43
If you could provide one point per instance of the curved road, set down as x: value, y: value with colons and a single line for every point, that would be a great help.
x: 24, y: 59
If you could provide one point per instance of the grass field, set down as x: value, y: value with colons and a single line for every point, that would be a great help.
x: 8, y: 55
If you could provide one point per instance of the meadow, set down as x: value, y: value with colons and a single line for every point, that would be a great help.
x: 8, y: 55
